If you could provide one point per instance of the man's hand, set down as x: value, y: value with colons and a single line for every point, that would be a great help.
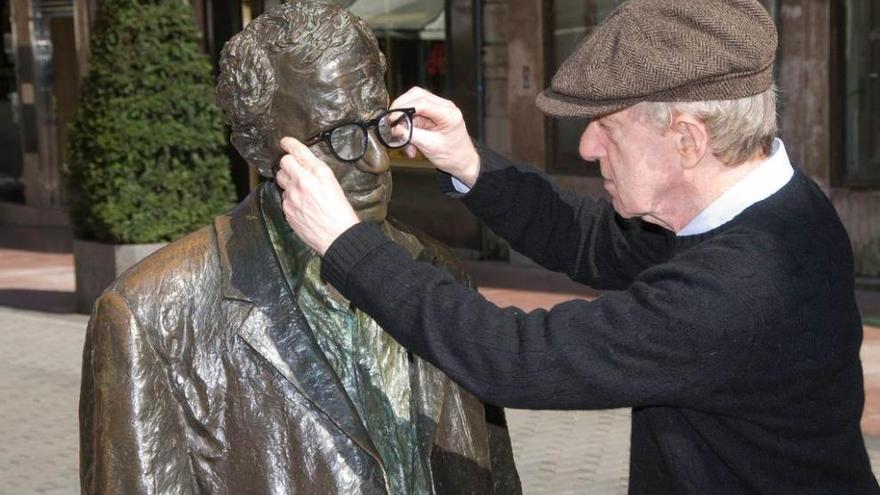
x: 313, y: 202
x: 440, y: 134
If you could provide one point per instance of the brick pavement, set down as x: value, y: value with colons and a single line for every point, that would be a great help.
x: 571, y: 452
x: 556, y: 452
x: 40, y: 355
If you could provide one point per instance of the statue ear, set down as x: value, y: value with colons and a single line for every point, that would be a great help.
x: 253, y: 149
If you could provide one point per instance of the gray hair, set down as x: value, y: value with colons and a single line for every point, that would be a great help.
x: 738, y: 129
x: 246, y: 85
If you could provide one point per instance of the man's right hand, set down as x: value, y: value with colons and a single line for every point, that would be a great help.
x: 439, y: 132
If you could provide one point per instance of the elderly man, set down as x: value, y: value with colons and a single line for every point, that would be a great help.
x: 730, y: 325
x: 224, y: 364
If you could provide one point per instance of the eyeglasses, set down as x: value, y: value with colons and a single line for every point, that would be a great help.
x: 348, y: 141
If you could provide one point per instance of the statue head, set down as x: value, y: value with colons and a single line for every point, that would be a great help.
x: 297, y: 70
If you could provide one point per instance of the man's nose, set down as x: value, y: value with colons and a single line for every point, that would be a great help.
x: 375, y: 160
x: 591, y: 146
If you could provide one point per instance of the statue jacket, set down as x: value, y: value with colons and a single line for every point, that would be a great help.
x: 202, y: 375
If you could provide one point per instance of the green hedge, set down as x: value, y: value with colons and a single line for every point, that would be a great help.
x: 146, y: 158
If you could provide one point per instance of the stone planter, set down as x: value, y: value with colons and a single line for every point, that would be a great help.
x: 97, y: 265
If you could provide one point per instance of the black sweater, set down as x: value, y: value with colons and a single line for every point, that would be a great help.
x: 737, y: 349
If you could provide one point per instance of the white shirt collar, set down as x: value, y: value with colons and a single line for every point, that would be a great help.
x: 758, y: 185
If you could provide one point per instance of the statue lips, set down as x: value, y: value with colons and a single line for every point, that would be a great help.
x: 368, y: 193
x: 366, y: 198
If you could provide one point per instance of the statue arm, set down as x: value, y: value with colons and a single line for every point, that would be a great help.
x: 132, y: 437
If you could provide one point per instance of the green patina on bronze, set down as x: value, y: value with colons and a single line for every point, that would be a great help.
x: 372, y: 367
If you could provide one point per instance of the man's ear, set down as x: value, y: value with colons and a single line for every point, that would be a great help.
x: 254, y: 151
x: 691, y: 139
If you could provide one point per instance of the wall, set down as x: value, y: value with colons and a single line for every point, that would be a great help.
x: 810, y: 116
x: 496, y: 117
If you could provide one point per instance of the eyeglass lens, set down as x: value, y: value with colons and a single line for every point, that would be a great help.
x: 349, y: 141
x: 395, y: 129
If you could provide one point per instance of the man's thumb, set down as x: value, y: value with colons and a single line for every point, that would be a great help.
x: 428, y: 142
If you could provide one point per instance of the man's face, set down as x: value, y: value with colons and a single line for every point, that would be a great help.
x: 346, y: 87
x: 640, y: 166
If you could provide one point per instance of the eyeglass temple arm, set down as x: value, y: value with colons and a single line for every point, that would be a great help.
x: 314, y: 139
x: 407, y: 112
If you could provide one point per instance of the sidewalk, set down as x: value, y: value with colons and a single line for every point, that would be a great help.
x: 41, y: 342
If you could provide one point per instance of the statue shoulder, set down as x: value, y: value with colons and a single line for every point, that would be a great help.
x: 190, y: 261
x: 426, y: 248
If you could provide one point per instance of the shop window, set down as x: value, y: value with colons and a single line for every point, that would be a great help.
x: 861, y: 95
x: 412, y: 35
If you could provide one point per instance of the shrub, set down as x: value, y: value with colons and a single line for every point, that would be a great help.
x: 146, y: 158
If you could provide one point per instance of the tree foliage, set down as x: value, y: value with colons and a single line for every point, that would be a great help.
x: 145, y: 156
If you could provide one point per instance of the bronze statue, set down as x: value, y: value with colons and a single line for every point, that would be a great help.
x: 224, y: 364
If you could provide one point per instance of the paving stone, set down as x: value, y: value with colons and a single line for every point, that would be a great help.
x: 39, y: 379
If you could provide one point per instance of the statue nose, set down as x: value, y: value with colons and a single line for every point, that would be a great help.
x: 375, y: 160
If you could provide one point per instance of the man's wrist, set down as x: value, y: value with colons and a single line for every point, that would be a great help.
x: 469, y: 174
x: 459, y: 186
x: 348, y: 249
x: 330, y: 238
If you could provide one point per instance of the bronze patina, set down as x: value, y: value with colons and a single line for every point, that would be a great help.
x: 224, y: 364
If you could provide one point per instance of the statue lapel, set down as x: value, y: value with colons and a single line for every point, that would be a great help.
x: 429, y: 394
x: 275, y: 327
x: 429, y: 385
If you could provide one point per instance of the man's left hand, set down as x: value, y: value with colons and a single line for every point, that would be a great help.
x: 313, y: 202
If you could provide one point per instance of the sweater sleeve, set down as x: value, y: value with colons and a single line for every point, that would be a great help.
x: 563, y: 232
x: 646, y: 345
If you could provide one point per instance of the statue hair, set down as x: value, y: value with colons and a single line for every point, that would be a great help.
x: 306, y: 29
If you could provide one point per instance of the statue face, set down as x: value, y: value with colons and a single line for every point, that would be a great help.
x: 348, y: 86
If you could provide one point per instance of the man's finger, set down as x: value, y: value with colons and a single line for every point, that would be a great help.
x: 298, y: 152
x: 429, y: 112
x: 429, y: 115
x: 424, y: 139
x: 287, y: 170
x: 289, y: 144
x: 307, y: 158
x: 412, y: 95
x: 418, y: 93
x: 282, y: 179
x: 301, y: 153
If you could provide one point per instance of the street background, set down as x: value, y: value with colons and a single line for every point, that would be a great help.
x: 40, y: 354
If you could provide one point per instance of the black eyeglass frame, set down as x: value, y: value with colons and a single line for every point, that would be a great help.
x: 365, y: 127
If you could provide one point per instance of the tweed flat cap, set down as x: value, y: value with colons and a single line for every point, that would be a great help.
x: 666, y: 50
